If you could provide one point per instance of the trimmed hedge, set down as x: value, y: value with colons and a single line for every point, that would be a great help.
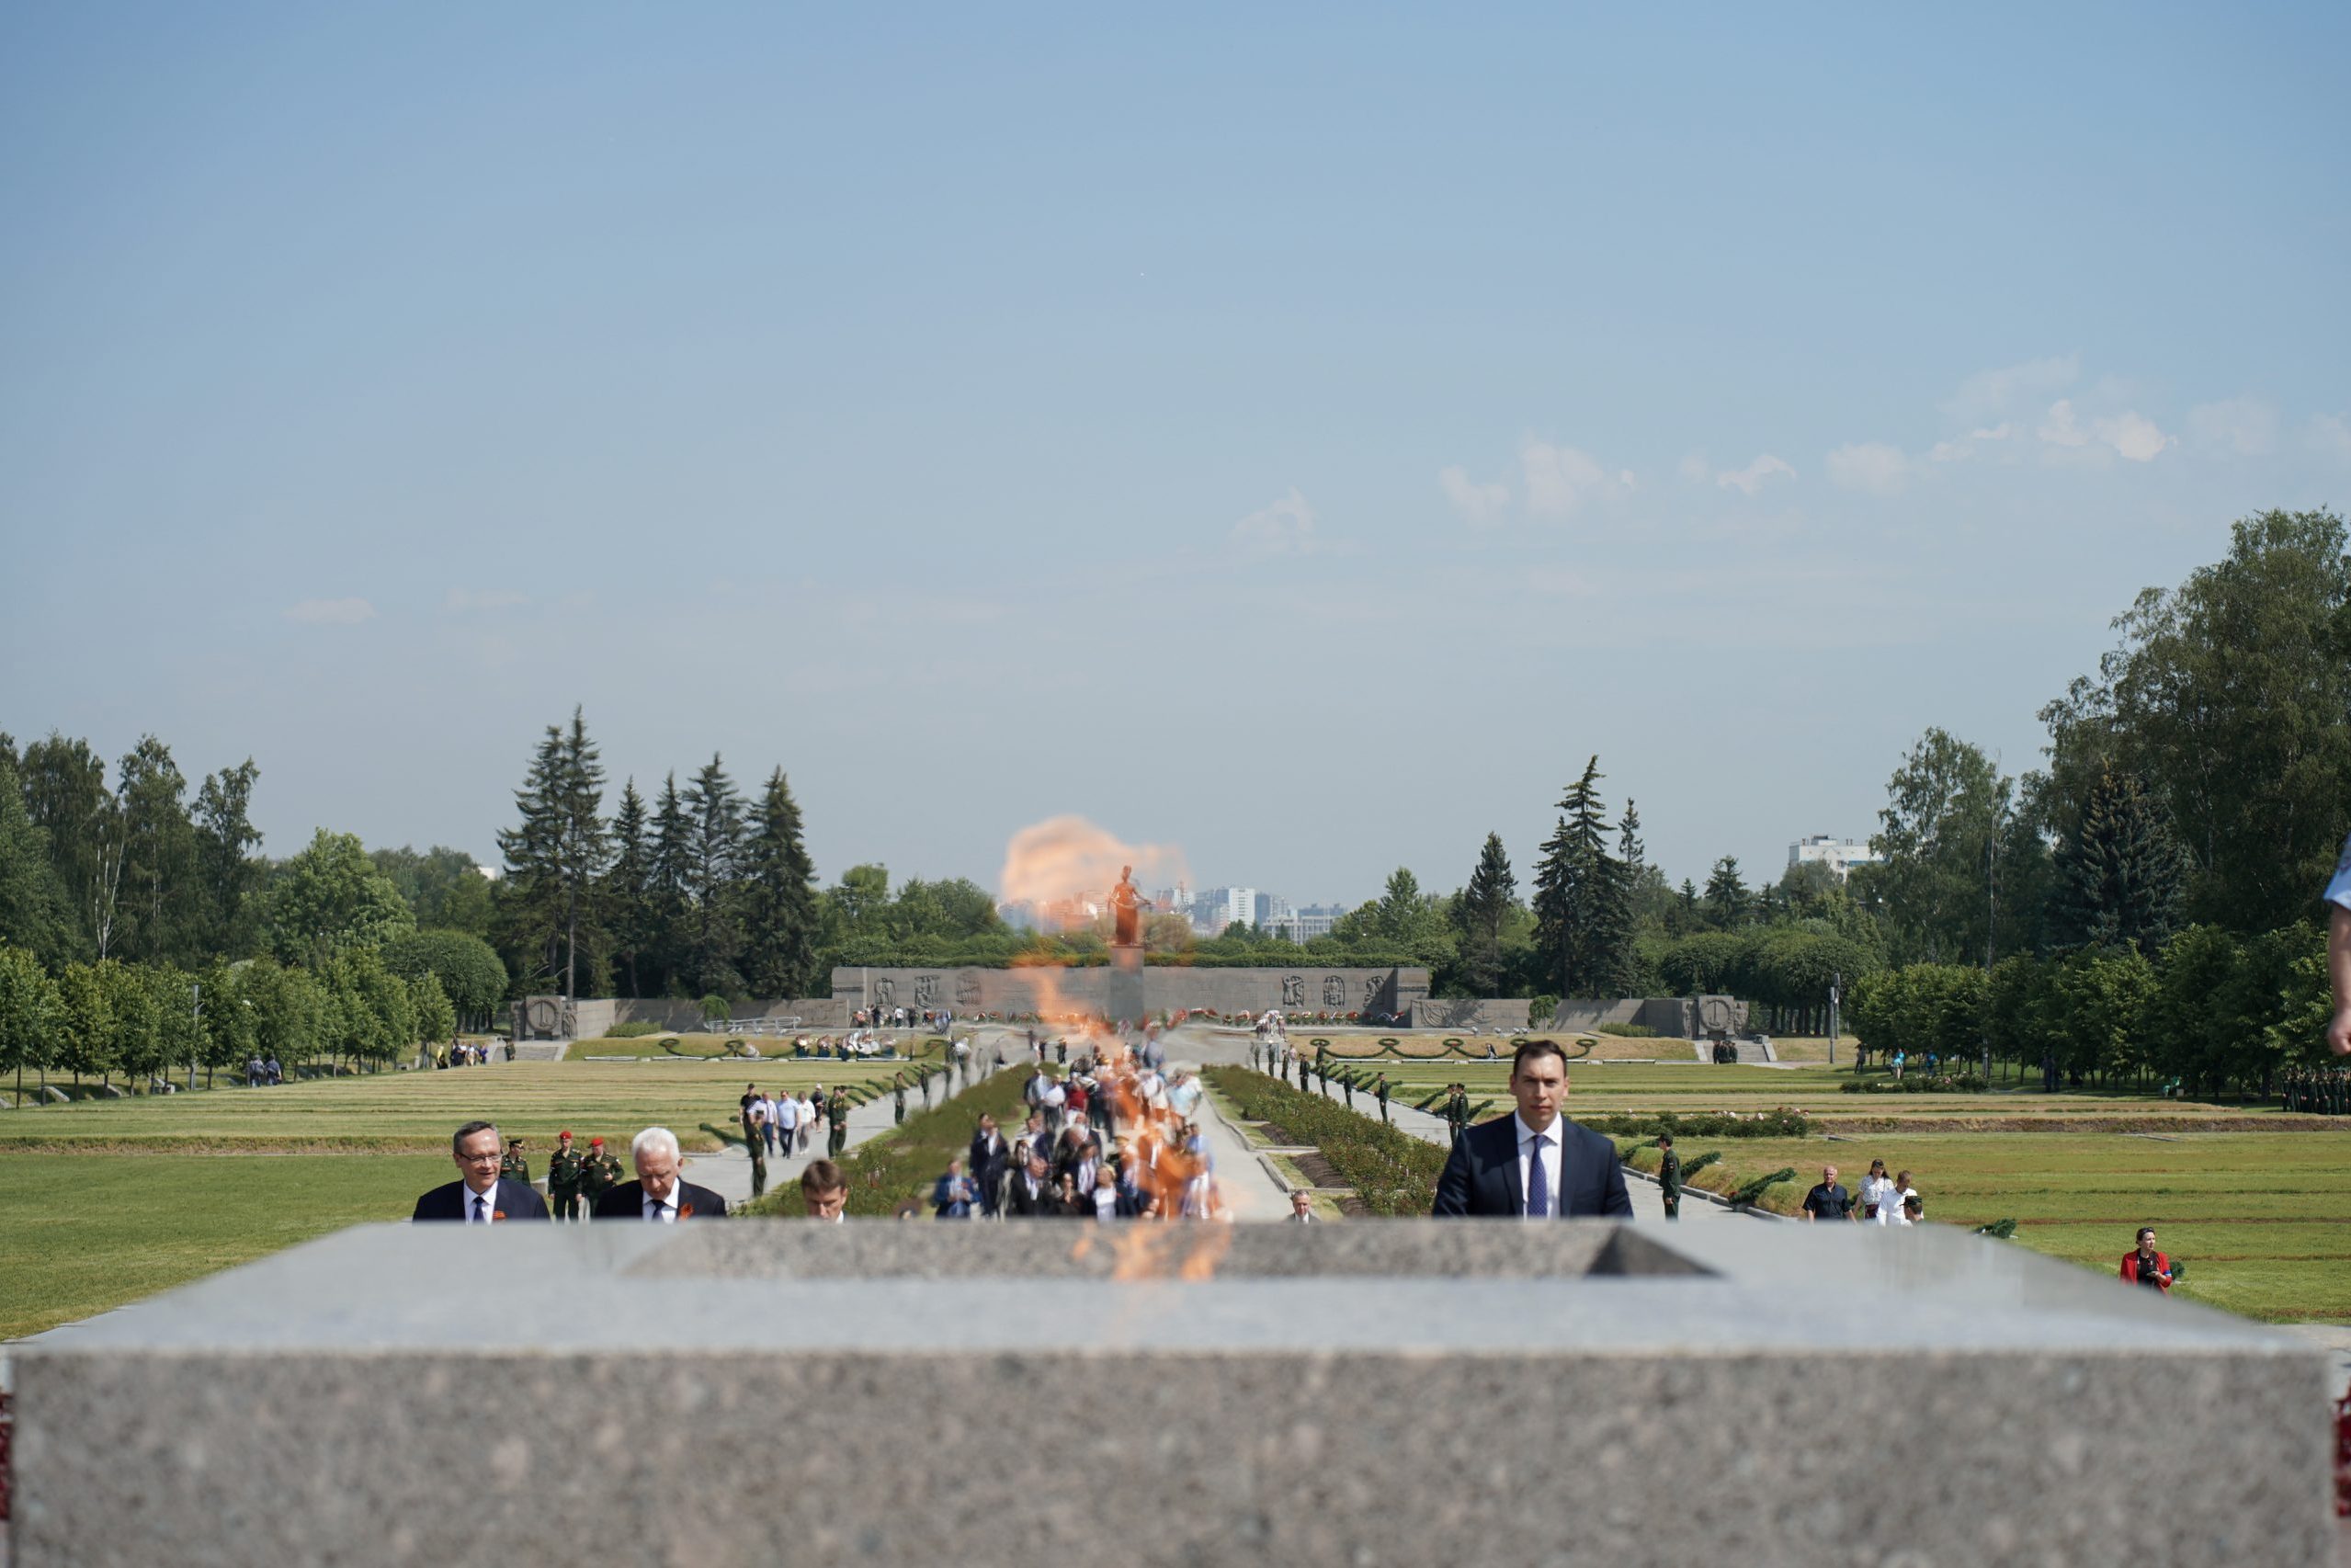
x: 1941, y: 1084
x: 1780, y: 1123
x: 1393, y: 1173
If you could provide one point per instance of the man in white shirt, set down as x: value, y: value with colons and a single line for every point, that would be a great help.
x: 785, y: 1121
x: 480, y: 1196
x: 1537, y: 1164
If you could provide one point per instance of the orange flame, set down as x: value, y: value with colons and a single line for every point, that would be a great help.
x: 1068, y: 856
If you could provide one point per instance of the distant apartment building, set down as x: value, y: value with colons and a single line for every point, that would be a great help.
x: 1213, y: 909
x: 1273, y: 912
x: 1839, y: 855
x: 1308, y: 921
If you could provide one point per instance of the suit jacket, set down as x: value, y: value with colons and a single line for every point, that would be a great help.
x: 1017, y: 1203
x: 626, y: 1201
x: 1481, y: 1173
x: 513, y: 1199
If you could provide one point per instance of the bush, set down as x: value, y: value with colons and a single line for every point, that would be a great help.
x: 1941, y: 1084
x: 637, y: 1030
x: 1753, y: 1191
x: 1780, y: 1123
x: 1542, y: 1010
x: 1393, y: 1173
x: 1629, y: 1032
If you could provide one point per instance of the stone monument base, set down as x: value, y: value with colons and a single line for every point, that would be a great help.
x: 1123, y: 997
x: 1397, y: 1392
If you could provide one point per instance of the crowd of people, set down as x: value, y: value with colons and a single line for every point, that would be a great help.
x: 1114, y: 1134
x: 263, y: 1072
x: 471, y: 1053
x: 1883, y: 1199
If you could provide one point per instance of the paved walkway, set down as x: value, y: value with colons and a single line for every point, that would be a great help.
x: 1648, y: 1203
x: 728, y: 1172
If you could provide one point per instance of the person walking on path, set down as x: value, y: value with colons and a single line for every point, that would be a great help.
x: 898, y: 1094
x: 1669, y: 1175
x: 1829, y: 1200
x: 1380, y: 1088
x: 838, y: 1111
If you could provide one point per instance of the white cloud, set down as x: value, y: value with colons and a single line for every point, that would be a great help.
x: 2331, y: 434
x: 331, y: 613
x: 1476, y: 503
x: 1285, y: 528
x: 1873, y: 466
x: 1988, y: 394
x: 2130, y: 434
x: 2243, y: 426
x: 2133, y: 435
x: 1748, y: 479
x: 462, y: 599
x: 2059, y: 428
x: 1560, y: 479
x: 1694, y: 469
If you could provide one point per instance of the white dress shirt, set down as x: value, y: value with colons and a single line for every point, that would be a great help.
x: 489, y: 1205
x: 665, y: 1210
x: 1551, y: 1147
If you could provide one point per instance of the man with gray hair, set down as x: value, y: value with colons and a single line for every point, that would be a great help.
x: 480, y: 1196
x: 659, y: 1194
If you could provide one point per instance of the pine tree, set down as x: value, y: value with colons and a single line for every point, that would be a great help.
x: 1583, y: 905
x: 779, y: 910
x: 628, y: 897
x: 713, y: 863
x: 673, y: 859
x: 554, y: 857
x: 1483, y: 903
x: 1726, y: 894
x: 2120, y: 874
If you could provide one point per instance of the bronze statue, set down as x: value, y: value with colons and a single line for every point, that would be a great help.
x: 1126, y: 911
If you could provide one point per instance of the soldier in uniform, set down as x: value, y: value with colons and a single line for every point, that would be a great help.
x: 1669, y: 1175
x: 1457, y: 1109
x: 1380, y: 1088
x: 598, y: 1171
x: 513, y: 1165
x: 923, y: 1076
x: 838, y: 1112
x: 564, y: 1177
x: 898, y: 1093
x: 1346, y: 1087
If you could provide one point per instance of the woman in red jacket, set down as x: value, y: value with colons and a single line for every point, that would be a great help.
x: 2145, y: 1266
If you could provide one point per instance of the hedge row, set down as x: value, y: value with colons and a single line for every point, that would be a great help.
x: 1783, y: 1122
x: 1393, y: 1173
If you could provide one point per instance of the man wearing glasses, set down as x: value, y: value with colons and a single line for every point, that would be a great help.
x: 480, y: 1196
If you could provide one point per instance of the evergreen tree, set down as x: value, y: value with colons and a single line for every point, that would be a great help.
x: 1484, y: 904
x: 779, y: 910
x: 2120, y: 872
x: 1582, y: 907
x: 672, y: 862
x: 628, y: 893
x: 554, y: 855
x: 1726, y: 894
x: 713, y: 863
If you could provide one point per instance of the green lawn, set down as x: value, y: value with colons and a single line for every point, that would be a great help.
x: 80, y: 1234
x: 417, y: 1111
x: 2263, y: 1219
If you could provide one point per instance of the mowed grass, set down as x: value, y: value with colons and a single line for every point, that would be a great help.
x: 1625, y: 1089
x: 416, y: 1112
x: 82, y: 1234
x: 714, y: 1047
x: 2262, y: 1218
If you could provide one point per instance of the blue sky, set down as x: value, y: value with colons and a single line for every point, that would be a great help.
x: 1303, y: 440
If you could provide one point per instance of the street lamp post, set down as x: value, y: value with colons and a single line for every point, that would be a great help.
x: 1836, y: 990
x: 196, y: 1038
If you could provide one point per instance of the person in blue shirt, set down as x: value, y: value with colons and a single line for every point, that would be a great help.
x: 2339, y: 951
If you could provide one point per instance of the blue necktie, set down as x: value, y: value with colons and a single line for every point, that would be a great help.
x: 479, y: 1204
x: 1538, y: 1182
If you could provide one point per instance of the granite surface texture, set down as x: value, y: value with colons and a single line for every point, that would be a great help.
x: 1398, y: 1392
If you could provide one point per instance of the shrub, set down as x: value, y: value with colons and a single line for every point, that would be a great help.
x: 1393, y: 1172
x: 1753, y: 1191
x: 1629, y: 1032
x: 1783, y: 1122
x: 636, y: 1030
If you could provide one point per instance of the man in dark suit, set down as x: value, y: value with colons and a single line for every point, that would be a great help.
x: 1030, y: 1195
x: 1535, y: 1164
x: 480, y: 1196
x: 989, y: 1156
x: 659, y: 1193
